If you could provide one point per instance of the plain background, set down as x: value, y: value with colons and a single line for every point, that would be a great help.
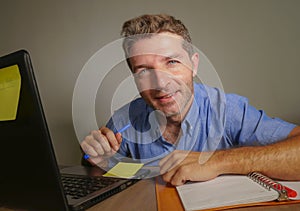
x: 254, y: 46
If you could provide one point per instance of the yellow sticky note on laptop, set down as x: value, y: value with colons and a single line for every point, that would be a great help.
x: 124, y: 170
x: 10, y: 84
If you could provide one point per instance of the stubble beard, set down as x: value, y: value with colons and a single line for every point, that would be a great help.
x: 182, y: 107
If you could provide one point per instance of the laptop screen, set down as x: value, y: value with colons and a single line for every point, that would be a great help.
x: 28, y: 166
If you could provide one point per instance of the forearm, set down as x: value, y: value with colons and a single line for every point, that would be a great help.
x: 280, y: 160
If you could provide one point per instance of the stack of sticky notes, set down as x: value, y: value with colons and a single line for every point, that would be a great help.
x: 124, y: 170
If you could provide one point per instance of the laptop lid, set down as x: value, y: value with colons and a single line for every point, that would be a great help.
x: 29, y: 173
x: 30, y: 177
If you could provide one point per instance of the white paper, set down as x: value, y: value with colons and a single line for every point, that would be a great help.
x: 223, y: 191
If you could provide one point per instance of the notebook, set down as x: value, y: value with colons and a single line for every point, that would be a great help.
x: 235, y: 190
x: 30, y: 176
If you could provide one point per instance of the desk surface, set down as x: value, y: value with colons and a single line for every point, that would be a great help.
x: 141, y: 196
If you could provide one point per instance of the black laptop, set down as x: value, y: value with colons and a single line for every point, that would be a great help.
x: 30, y: 176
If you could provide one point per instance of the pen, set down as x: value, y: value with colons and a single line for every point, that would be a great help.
x: 290, y: 192
x: 86, y: 156
x: 124, y: 128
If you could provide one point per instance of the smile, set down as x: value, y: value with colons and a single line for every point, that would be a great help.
x: 167, y: 97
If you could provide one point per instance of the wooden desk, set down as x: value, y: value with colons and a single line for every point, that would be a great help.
x: 141, y: 196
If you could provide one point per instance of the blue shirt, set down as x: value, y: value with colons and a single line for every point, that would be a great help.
x: 215, y: 121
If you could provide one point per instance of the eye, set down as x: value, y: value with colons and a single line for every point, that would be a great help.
x: 172, y: 62
x: 142, y: 73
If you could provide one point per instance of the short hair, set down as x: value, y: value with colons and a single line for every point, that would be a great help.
x: 145, y: 26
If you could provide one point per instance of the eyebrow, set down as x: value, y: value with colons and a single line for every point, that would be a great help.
x: 141, y: 66
x: 164, y: 58
x: 173, y: 56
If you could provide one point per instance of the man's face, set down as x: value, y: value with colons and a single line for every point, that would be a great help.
x: 163, y: 73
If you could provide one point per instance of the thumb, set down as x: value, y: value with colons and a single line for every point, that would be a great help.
x: 119, y: 138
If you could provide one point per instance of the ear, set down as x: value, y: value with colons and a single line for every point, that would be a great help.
x: 195, y: 61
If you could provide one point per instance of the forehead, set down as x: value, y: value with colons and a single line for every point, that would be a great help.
x: 163, y: 44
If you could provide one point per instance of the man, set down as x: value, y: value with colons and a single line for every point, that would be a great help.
x: 175, y: 120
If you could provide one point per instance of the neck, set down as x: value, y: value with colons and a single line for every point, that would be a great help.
x: 176, y: 119
x: 171, y: 126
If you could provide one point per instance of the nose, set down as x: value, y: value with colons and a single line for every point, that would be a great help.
x: 161, y: 79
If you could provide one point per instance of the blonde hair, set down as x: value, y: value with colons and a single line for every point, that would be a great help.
x: 146, y: 25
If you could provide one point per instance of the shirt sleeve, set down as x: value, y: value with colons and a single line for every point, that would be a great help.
x: 245, y: 125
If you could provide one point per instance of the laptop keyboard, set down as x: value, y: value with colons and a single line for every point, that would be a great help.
x: 78, y: 187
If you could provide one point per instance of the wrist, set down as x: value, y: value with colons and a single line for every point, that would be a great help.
x: 233, y: 161
x: 222, y: 163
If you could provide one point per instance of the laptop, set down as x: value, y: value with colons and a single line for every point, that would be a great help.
x: 30, y: 176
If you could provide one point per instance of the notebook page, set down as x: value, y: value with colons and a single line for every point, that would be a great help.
x: 223, y: 191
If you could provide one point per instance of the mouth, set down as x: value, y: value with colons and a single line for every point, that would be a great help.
x: 166, y: 97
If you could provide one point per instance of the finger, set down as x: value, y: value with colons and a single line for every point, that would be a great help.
x: 167, y: 177
x: 88, y: 149
x: 181, y: 175
x: 111, y: 137
x: 98, y: 146
x: 95, y: 160
x: 192, y: 172
x: 102, y: 140
x: 119, y: 138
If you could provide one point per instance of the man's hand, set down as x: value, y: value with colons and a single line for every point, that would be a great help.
x: 182, y: 166
x: 101, y: 144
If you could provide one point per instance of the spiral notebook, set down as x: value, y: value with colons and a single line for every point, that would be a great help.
x: 235, y: 190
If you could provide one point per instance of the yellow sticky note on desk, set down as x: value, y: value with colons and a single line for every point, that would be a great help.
x: 10, y: 84
x: 124, y: 170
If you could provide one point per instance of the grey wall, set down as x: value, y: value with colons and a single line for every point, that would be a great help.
x: 253, y: 44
